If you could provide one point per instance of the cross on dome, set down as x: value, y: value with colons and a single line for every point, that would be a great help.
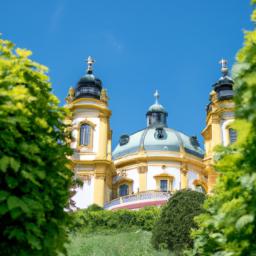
x: 224, y: 66
x: 157, y: 96
x: 90, y: 61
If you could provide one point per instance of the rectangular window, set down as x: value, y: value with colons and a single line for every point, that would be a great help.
x: 164, y: 185
x: 85, y: 134
x: 232, y: 135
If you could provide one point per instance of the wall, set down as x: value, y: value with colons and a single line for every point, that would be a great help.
x: 155, y: 168
x: 84, y: 195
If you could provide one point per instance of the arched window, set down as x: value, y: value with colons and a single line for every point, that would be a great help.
x: 85, y: 134
x: 200, y: 188
x: 232, y: 135
x: 123, y: 190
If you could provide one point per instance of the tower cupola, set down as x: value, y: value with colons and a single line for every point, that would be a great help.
x: 156, y: 115
x: 224, y: 86
x: 88, y: 86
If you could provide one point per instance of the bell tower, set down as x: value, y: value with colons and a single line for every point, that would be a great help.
x: 90, y: 139
x: 220, y: 114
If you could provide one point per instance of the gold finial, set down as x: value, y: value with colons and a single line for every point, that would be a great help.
x: 104, y: 95
x: 71, y: 95
x: 224, y: 66
x: 90, y: 61
x: 157, y: 96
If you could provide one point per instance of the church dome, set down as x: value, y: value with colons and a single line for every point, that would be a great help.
x: 224, y: 86
x: 156, y: 115
x: 156, y: 108
x: 88, y: 86
x: 157, y: 139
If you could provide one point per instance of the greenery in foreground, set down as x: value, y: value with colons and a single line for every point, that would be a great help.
x: 114, y: 243
x: 173, y: 228
x: 94, y: 218
x: 34, y: 177
x: 228, y: 228
x: 95, y: 231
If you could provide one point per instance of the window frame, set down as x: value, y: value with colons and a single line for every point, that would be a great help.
x: 160, y: 185
x: 127, y: 189
x: 229, y: 135
x: 164, y: 176
x: 92, y: 128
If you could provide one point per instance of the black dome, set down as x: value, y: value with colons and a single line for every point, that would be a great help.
x: 224, y: 88
x: 88, y: 86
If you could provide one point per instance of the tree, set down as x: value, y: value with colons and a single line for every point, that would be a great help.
x: 176, y: 220
x: 229, y: 225
x: 34, y: 173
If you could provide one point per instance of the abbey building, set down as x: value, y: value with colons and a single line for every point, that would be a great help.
x: 146, y: 167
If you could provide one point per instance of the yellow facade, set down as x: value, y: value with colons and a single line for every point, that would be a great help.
x: 101, y: 160
x: 94, y: 163
x: 213, y: 133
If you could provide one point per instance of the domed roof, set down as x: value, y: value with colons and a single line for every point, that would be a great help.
x: 156, y: 108
x: 224, y: 86
x: 88, y: 86
x: 89, y: 80
x: 157, y: 139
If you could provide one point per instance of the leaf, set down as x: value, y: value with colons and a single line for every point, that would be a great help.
x: 4, y: 162
x: 11, y: 181
x: 14, y: 164
x: 244, y: 220
x: 3, y: 209
x: 13, y: 202
x: 3, y: 195
x: 23, y: 52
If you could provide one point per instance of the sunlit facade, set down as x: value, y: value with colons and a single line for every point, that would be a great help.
x: 148, y: 166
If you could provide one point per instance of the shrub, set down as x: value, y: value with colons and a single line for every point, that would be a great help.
x: 34, y: 173
x: 172, y: 230
x: 94, y: 217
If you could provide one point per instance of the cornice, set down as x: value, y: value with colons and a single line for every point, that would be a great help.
x: 138, y: 158
x: 101, y: 107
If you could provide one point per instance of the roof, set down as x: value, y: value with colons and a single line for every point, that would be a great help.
x: 156, y: 108
x: 148, y: 140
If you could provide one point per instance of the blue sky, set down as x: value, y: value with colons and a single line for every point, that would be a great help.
x: 139, y: 46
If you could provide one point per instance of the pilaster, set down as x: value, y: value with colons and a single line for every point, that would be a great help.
x: 183, y: 176
x: 143, y: 178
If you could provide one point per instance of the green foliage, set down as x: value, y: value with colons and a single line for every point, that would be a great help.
x: 94, y: 218
x: 229, y: 225
x: 34, y: 177
x: 113, y: 243
x: 94, y: 208
x: 172, y: 230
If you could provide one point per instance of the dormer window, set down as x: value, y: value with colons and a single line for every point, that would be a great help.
x: 124, y: 139
x: 159, y: 134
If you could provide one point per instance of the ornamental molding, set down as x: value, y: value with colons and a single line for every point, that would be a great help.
x: 136, y: 159
x: 143, y: 169
x: 215, y: 118
x: 202, y: 183
x: 184, y: 168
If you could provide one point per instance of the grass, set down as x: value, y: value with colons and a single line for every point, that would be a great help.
x: 112, y: 243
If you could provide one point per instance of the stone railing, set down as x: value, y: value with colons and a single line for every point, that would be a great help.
x: 141, y: 196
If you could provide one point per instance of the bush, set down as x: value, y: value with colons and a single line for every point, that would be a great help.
x: 94, y: 218
x: 172, y: 230
x: 34, y: 173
